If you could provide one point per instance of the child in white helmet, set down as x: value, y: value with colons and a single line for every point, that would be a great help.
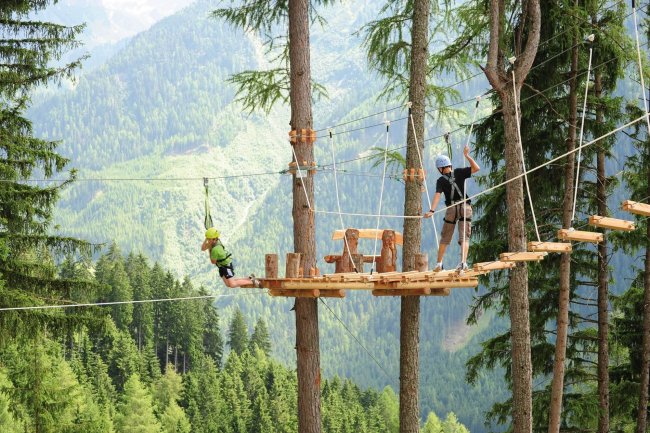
x: 222, y: 259
x: 452, y: 184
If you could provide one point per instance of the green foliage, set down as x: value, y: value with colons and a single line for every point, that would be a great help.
x: 238, y: 333
x: 135, y: 412
x: 260, y: 338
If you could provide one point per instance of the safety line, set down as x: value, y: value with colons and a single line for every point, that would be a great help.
x: 356, y: 339
x: 103, y: 304
x: 302, y: 179
x: 424, y: 178
x: 521, y: 149
x: 582, y: 127
x: 564, y: 155
x: 381, y: 195
x: 638, y: 54
x: 338, y: 204
x: 464, y: 214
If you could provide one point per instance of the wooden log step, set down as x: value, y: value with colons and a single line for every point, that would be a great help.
x: 580, y: 236
x: 493, y: 266
x: 550, y: 247
x: 636, y: 208
x: 368, y: 234
x: 313, y: 293
x: 521, y: 256
x: 611, y: 223
x: 402, y: 292
x: 441, y: 274
x: 397, y: 276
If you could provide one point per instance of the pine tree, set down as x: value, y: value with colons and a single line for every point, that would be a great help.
x: 238, y: 333
x: 260, y: 338
x: 212, y: 338
x: 135, y: 412
x: 173, y: 420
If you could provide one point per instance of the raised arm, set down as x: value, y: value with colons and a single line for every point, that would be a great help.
x: 473, y: 165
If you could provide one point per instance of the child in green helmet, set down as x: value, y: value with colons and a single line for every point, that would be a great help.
x: 222, y: 259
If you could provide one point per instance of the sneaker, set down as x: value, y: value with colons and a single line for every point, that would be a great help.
x: 255, y: 281
x: 462, y: 267
x: 438, y: 267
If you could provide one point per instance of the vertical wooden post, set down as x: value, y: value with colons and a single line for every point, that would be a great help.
x: 293, y: 265
x: 357, y: 259
x: 271, y: 266
x: 422, y: 262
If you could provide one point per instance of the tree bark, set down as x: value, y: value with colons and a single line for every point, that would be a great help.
x: 557, y: 384
x: 518, y: 287
x: 304, y: 228
x: 409, y: 411
x: 642, y: 412
x: 603, y: 276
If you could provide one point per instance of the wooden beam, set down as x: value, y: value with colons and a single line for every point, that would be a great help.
x: 314, y: 293
x: 440, y: 292
x: 611, y: 223
x: 450, y: 283
x: 580, y: 236
x: 368, y: 234
x: 550, y: 247
x: 326, y: 285
x: 401, y: 292
x: 493, y: 266
x: 521, y: 256
x: 332, y: 293
x: 636, y: 208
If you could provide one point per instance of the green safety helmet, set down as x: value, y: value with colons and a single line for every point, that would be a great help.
x: 211, y: 233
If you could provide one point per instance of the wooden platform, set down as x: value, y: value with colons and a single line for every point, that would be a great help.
x: 413, y: 283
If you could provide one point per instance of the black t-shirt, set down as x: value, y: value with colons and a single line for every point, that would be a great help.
x: 443, y: 184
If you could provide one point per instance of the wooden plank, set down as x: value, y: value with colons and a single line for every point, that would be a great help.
x: 611, y: 223
x: 314, y: 293
x: 636, y: 208
x: 550, y: 247
x: 332, y: 293
x: 402, y: 292
x: 580, y: 236
x: 326, y: 285
x: 432, y: 275
x: 368, y: 234
x: 521, y: 256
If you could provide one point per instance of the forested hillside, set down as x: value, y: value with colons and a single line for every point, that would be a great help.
x: 173, y: 117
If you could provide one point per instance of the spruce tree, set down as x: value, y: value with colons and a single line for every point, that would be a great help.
x: 238, y: 333
x: 135, y: 412
x: 29, y: 49
x: 261, y: 338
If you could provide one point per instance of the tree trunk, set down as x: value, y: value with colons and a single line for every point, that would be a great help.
x: 307, y: 342
x: 518, y: 287
x: 557, y: 385
x: 642, y: 413
x: 409, y: 411
x: 603, y: 276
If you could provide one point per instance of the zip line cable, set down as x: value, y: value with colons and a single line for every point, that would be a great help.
x: 103, y: 304
x: 582, y: 127
x: 381, y: 195
x: 338, y: 204
x: 424, y: 177
x: 356, y: 339
x: 521, y: 149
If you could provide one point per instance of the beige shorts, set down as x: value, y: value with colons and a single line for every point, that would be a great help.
x: 461, y: 214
